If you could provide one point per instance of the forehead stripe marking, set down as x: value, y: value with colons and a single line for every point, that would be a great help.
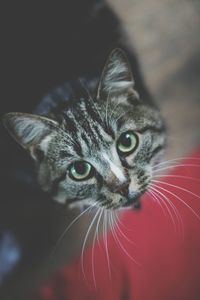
x: 115, y: 169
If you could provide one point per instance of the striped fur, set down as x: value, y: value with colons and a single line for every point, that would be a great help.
x: 88, y: 128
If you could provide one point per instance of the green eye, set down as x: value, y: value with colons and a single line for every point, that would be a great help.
x: 80, y: 170
x: 127, y: 143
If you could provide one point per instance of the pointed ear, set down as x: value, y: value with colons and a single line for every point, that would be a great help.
x: 116, y: 76
x: 30, y: 131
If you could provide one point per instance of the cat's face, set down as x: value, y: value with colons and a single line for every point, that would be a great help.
x: 99, y: 150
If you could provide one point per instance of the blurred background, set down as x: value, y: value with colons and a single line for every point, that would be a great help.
x: 165, y: 37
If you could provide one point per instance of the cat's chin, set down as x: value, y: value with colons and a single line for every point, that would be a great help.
x: 132, y: 203
x: 136, y: 204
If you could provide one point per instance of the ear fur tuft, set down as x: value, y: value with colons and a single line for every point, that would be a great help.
x: 116, y: 76
x: 29, y: 130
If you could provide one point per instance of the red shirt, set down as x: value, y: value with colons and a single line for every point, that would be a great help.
x: 154, y: 253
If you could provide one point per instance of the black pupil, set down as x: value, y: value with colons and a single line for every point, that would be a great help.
x: 125, y: 140
x: 80, y: 168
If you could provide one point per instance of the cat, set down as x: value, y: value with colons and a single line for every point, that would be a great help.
x: 94, y: 140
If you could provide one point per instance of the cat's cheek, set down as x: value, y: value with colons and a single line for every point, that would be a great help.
x: 130, y: 161
x: 60, y: 197
x: 118, y: 200
x: 107, y: 199
x: 43, y: 177
x: 77, y: 190
x: 157, y: 159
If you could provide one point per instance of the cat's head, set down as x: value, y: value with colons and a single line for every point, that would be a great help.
x: 99, y: 150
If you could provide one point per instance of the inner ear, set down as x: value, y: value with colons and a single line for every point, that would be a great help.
x: 32, y: 132
x: 116, y: 76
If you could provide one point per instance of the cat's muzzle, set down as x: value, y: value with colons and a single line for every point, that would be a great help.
x: 132, y: 200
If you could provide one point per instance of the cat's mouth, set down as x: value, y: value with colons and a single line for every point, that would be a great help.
x: 133, y: 202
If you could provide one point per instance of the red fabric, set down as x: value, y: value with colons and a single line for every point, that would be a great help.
x: 166, y: 266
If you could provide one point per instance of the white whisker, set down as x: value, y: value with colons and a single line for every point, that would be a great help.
x: 123, y: 114
x: 120, y: 222
x: 94, y: 239
x: 175, y: 210
x: 181, y: 200
x: 176, y: 186
x: 105, y: 238
x: 84, y: 243
x: 91, y: 98
x: 98, y: 223
x: 121, y: 245
x: 68, y: 227
x: 177, y: 176
x: 175, y: 166
x: 174, y: 160
x: 107, y: 104
x: 152, y: 194
x: 161, y: 199
x: 120, y: 231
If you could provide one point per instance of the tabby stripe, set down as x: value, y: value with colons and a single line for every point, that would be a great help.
x: 78, y: 149
x: 71, y: 126
x: 64, y: 154
x: 143, y: 186
x: 89, y: 130
x: 155, y: 151
x: 86, y: 124
x: 143, y: 180
x: 97, y: 129
x: 92, y: 112
x: 109, y: 131
x: 124, y: 163
x: 152, y: 128
x: 84, y: 138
